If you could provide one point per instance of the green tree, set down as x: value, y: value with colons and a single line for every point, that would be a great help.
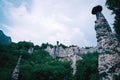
x: 44, y: 45
x: 25, y: 45
x: 114, y: 5
x: 87, y: 69
x: 63, y: 46
x: 7, y: 62
x: 48, y: 72
x: 117, y: 77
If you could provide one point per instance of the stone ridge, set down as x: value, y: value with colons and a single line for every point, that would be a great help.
x: 108, y: 48
x: 64, y: 52
x: 69, y: 54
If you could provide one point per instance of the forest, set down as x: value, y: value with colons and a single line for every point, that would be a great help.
x: 41, y: 66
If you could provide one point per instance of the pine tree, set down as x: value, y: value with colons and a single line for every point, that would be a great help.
x: 114, y: 5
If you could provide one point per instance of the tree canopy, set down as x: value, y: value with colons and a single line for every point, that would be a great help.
x: 114, y: 5
x: 41, y: 66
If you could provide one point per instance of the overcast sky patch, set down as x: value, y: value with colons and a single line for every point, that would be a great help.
x: 67, y: 21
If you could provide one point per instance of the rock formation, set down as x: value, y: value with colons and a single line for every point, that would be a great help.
x: 69, y: 53
x: 63, y: 52
x: 56, y: 52
x: 15, y: 73
x: 30, y: 50
x: 108, y: 47
x: 4, y: 39
x: 60, y: 52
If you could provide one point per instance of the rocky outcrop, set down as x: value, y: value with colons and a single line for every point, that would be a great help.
x: 4, y: 39
x: 68, y: 53
x: 62, y: 54
x: 30, y: 50
x: 108, y: 47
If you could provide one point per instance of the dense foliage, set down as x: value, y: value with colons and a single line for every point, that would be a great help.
x: 87, y: 69
x: 114, y: 5
x: 117, y: 77
x: 40, y: 66
x: 44, y: 45
x: 8, y: 59
x: 36, y: 66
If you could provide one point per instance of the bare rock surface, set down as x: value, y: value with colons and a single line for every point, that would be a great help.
x: 108, y: 47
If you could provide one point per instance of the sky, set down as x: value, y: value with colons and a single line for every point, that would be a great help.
x: 68, y: 21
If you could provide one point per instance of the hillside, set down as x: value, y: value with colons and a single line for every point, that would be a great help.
x: 4, y: 39
x: 39, y: 65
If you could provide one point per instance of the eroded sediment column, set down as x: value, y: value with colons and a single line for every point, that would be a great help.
x: 57, y: 50
x: 108, y: 47
x: 15, y: 73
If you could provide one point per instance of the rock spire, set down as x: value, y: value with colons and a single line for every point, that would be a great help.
x: 108, y: 47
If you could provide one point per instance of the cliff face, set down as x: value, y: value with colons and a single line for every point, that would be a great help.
x: 4, y: 39
x: 62, y: 54
x: 108, y: 47
x: 69, y: 54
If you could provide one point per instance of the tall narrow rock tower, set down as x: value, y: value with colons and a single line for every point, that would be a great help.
x: 108, y: 47
x: 56, y: 53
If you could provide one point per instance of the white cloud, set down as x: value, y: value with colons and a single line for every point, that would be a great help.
x: 67, y: 21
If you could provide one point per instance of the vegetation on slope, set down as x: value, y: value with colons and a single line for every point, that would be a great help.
x: 40, y: 66
x: 87, y: 69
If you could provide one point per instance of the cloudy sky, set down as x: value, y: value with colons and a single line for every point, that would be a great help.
x: 38, y: 21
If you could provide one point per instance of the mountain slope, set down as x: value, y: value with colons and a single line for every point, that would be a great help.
x: 4, y: 39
